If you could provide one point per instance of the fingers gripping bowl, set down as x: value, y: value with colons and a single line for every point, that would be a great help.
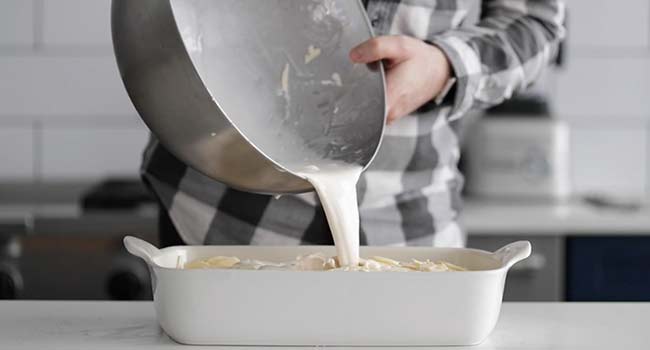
x: 249, y: 307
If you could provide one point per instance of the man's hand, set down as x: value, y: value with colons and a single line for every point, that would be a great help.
x: 416, y: 71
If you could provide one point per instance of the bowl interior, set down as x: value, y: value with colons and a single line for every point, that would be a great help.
x: 279, y: 71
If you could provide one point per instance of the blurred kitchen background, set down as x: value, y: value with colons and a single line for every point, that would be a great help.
x: 70, y: 146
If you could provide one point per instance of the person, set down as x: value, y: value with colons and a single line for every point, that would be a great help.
x: 440, y: 64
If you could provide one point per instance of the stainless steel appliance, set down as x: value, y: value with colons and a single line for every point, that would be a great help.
x: 63, y: 241
x: 11, y: 278
x: 519, y: 158
x: 519, y: 151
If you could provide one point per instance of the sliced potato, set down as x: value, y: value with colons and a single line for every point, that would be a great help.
x: 216, y: 262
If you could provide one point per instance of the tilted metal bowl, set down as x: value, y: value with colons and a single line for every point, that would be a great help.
x: 243, y: 89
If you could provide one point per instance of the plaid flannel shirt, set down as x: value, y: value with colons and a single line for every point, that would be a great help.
x: 410, y: 194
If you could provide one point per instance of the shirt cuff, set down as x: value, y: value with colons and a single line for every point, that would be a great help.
x: 466, y: 66
x: 442, y: 96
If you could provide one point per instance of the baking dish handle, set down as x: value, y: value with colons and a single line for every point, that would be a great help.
x: 513, y: 253
x: 141, y: 249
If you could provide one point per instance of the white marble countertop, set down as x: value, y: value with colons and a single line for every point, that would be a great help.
x: 56, y: 325
x: 575, y: 218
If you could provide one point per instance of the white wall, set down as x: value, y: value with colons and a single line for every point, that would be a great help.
x: 604, y: 92
x: 64, y: 113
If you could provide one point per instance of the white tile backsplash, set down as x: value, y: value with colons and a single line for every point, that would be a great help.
x: 607, y: 23
x: 611, y: 87
x: 77, y: 153
x: 77, y: 23
x: 16, y: 23
x: 16, y: 152
x: 610, y: 158
x: 647, y: 165
x: 51, y: 87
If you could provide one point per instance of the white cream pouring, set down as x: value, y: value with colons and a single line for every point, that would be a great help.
x: 336, y: 185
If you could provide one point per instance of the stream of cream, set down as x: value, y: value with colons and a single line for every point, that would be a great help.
x: 336, y: 185
x: 336, y: 188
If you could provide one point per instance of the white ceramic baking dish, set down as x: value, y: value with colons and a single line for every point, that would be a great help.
x: 244, y: 307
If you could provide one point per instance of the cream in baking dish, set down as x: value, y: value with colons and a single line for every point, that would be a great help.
x: 321, y: 262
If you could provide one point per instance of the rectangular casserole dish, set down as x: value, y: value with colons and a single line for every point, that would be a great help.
x: 307, y: 308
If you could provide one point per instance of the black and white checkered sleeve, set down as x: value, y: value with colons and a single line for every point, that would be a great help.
x: 504, y: 52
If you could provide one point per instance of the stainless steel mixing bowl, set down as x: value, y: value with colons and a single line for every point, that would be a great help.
x: 245, y: 90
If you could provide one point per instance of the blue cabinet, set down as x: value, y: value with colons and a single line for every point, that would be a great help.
x: 608, y: 268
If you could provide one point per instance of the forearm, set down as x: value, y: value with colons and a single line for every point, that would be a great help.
x: 504, y: 53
